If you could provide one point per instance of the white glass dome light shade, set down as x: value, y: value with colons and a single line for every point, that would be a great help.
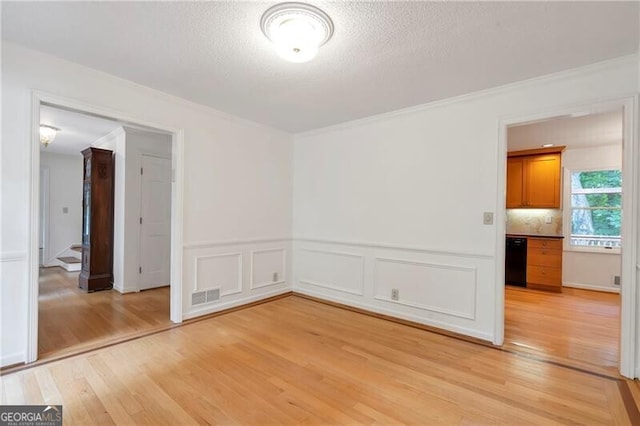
x: 47, y: 134
x: 296, y: 38
x: 297, y: 30
x: 296, y: 54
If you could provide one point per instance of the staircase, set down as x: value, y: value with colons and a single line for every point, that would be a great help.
x: 71, y: 261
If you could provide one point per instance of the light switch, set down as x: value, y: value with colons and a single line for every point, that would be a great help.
x: 487, y: 218
x: 65, y: 210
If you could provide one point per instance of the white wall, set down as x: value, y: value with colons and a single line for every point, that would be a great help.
x: 388, y: 202
x: 237, y: 186
x: 397, y: 201
x: 65, y: 191
x: 591, y: 270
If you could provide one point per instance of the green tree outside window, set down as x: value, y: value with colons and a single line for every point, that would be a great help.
x: 596, y: 208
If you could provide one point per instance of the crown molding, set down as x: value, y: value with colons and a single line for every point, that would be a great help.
x: 593, y: 68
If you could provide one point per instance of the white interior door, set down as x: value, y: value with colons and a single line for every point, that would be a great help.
x: 155, y: 222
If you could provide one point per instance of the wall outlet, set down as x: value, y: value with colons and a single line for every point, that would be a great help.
x: 548, y: 219
x: 274, y: 277
x: 616, y: 280
x: 487, y: 218
x: 395, y: 294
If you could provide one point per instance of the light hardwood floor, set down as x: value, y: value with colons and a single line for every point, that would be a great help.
x: 576, y: 327
x: 294, y: 361
x: 71, y: 320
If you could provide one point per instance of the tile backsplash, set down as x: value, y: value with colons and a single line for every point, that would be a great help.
x: 532, y: 221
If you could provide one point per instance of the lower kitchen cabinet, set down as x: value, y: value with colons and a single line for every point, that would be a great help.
x: 544, y: 264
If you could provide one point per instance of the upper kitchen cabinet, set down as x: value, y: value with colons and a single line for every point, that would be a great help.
x: 533, y: 178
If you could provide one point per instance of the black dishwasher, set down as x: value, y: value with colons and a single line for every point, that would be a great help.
x: 516, y: 262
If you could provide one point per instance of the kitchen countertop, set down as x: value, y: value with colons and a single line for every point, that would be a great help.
x: 536, y: 236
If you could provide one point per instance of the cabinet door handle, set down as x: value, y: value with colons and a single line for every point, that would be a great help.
x: 543, y: 272
x: 544, y: 252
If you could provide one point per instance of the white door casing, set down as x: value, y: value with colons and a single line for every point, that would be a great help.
x: 155, y: 222
x: 44, y: 215
x: 37, y: 99
x: 630, y: 235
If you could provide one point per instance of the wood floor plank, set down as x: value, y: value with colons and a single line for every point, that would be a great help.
x: 576, y: 327
x: 296, y: 361
x: 71, y: 320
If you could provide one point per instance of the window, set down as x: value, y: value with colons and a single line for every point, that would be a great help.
x: 596, y: 208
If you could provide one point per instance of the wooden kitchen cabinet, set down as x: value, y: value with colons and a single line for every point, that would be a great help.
x: 544, y: 264
x: 533, y: 178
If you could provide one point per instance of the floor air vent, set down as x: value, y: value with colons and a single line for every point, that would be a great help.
x: 205, y: 296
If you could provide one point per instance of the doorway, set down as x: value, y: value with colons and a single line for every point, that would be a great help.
x: 127, y: 314
x: 591, y: 306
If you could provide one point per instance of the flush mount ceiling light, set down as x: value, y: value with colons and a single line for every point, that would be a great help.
x: 47, y: 134
x: 297, y: 30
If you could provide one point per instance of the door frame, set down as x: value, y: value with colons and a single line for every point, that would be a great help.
x: 630, y: 197
x: 45, y: 209
x: 39, y: 98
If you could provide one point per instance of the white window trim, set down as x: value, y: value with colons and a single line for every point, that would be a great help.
x: 568, y: 208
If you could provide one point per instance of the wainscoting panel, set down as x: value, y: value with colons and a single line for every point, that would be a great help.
x: 329, y: 269
x: 453, y: 291
x: 14, y: 267
x: 223, y: 271
x: 268, y: 267
x: 447, y: 289
x: 243, y: 270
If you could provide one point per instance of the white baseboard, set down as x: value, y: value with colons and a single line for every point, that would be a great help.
x: 124, y: 290
x: 401, y: 315
x: 11, y: 359
x: 592, y: 287
x: 237, y: 302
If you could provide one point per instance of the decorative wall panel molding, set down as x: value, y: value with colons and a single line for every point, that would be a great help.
x: 265, y: 263
x: 211, y: 244
x: 222, y: 271
x: 436, y: 287
x: 332, y: 270
x: 428, y: 250
x: 13, y: 256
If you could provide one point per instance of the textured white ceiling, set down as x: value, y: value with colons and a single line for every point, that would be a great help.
x: 383, y: 55
x: 77, y: 131
x: 574, y: 132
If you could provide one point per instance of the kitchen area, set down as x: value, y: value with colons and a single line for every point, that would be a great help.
x: 563, y: 244
x: 563, y: 203
x: 534, y: 237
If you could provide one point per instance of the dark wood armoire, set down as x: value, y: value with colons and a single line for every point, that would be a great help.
x: 97, y: 220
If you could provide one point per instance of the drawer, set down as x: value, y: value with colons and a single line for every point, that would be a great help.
x: 545, y: 257
x: 544, y: 275
x: 547, y: 243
